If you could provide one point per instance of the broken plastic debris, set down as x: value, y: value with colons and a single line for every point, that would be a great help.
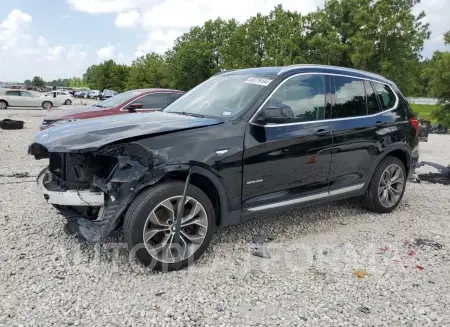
x: 361, y: 273
x: 261, y: 246
x: 422, y: 243
x: 419, y: 267
x: 383, y: 250
x: 364, y: 310
x: 411, y: 253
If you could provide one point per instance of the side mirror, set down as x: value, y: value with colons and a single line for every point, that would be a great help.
x: 276, y: 114
x: 133, y: 106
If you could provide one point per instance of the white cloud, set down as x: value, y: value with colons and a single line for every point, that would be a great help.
x: 42, y: 41
x: 165, y: 20
x: 15, y: 20
x: 437, y: 15
x: 11, y: 29
x: 107, y: 6
x: 106, y: 53
x: 158, y: 41
x: 128, y: 19
x: 76, y: 53
x: 54, y: 53
x: 23, y: 55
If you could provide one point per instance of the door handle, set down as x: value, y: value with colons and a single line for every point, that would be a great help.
x: 381, y: 123
x: 322, y: 132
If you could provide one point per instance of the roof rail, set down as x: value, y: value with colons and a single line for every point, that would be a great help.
x: 223, y: 71
x: 291, y: 67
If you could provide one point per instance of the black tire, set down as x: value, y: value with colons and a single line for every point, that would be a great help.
x: 46, y: 103
x: 3, y: 104
x: 144, y: 203
x: 68, y: 102
x: 371, y: 200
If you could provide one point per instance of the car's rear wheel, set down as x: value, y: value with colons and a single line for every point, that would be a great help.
x: 46, y: 105
x: 3, y: 104
x: 149, y: 226
x: 68, y: 102
x: 387, y: 186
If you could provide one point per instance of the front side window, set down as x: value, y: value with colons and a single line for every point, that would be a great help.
x: 349, y: 97
x: 302, y: 96
x: 385, y: 95
x: 224, y: 95
x: 153, y: 101
x: 25, y: 94
x: 118, y: 100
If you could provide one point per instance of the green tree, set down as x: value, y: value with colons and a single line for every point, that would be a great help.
x: 197, y: 55
x: 382, y: 36
x: 147, y: 72
x: 27, y: 82
x: 107, y: 75
x: 447, y: 38
x: 440, y: 83
x: 38, y: 81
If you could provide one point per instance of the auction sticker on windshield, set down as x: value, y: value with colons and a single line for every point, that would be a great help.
x: 258, y: 81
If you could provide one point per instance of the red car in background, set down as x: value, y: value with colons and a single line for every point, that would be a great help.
x: 140, y: 100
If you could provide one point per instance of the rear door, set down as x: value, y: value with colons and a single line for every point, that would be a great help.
x: 287, y: 164
x: 13, y: 98
x: 360, y: 129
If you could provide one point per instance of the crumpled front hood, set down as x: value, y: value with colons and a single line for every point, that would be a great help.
x: 90, y: 134
x: 70, y: 113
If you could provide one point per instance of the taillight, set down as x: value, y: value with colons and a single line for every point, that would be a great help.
x: 415, y: 123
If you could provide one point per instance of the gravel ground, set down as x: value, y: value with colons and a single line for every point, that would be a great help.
x: 311, y: 279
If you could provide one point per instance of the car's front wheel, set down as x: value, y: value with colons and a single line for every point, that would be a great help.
x: 387, y: 186
x: 150, y: 221
x: 47, y: 105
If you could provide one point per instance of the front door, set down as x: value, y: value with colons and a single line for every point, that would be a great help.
x: 288, y: 164
x: 27, y: 100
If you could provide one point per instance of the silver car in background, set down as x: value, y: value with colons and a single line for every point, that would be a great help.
x: 20, y: 98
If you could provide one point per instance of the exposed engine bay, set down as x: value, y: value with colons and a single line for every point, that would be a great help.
x: 93, y: 189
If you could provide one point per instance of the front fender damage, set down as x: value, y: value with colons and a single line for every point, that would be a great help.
x: 135, y: 170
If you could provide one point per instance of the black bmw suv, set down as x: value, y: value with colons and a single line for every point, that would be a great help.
x: 241, y: 144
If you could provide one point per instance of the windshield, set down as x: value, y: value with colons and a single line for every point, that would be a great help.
x: 220, y: 96
x: 117, y: 100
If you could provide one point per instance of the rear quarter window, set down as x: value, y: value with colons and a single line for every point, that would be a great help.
x: 385, y: 95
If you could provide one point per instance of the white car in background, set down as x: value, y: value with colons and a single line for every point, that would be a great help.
x: 19, y: 98
x: 65, y: 97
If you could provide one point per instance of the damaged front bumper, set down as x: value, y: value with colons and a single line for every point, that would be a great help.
x: 55, y: 194
x: 93, y: 190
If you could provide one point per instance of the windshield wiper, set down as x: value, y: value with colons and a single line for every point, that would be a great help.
x: 187, y: 114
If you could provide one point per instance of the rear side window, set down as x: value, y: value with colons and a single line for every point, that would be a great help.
x: 372, y: 103
x: 385, y: 95
x: 13, y: 93
x: 350, y: 97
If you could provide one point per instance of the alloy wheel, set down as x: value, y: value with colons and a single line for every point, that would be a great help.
x: 391, y: 185
x: 159, y: 230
